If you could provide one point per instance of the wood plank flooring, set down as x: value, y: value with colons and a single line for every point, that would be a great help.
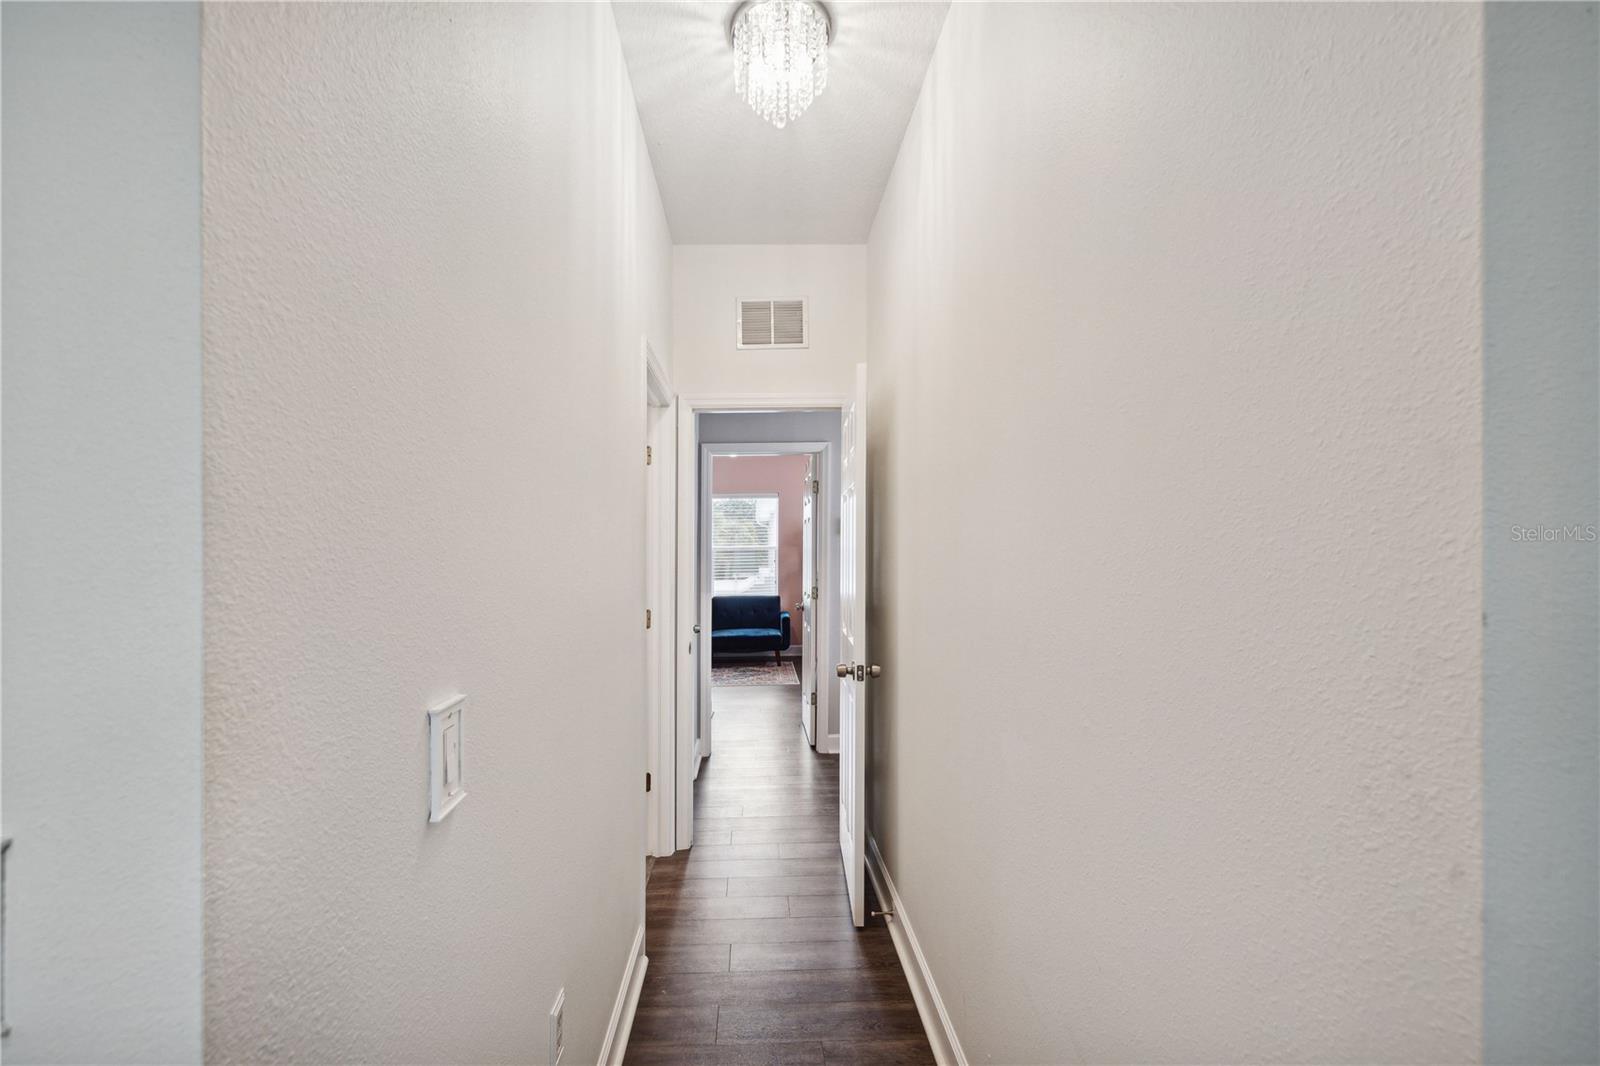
x: 753, y: 959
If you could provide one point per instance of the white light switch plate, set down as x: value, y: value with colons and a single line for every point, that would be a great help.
x: 445, y: 733
x: 558, y: 1026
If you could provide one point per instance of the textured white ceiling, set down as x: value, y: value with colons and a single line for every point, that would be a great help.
x: 727, y: 176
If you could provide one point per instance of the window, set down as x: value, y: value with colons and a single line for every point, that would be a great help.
x: 744, y: 545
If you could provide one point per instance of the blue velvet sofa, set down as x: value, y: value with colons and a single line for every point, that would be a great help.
x: 747, y: 624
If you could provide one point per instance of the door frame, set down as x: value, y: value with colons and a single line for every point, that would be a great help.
x: 810, y: 593
x: 685, y: 644
x: 708, y: 452
x: 659, y: 593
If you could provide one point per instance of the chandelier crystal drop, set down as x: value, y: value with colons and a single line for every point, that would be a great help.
x: 780, y: 57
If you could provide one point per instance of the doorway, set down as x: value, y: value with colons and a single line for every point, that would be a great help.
x: 768, y: 924
x: 763, y: 570
x: 709, y: 428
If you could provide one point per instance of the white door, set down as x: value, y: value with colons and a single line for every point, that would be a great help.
x: 854, y: 668
x: 806, y: 608
x: 705, y: 710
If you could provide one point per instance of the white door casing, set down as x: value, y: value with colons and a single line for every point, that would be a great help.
x: 805, y: 610
x: 685, y: 643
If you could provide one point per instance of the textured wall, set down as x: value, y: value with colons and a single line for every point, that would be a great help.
x: 432, y: 246
x: 707, y: 283
x: 1541, y: 743
x: 102, y: 531
x: 784, y: 475
x: 1176, y: 371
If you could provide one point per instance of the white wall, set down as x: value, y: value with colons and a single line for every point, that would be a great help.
x: 102, y: 659
x: 432, y: 245
x: 1177, y: 400
x: 709, y: 279
x: 1541, y: 742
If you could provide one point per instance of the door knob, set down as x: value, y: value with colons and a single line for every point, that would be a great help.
x: 874, y: 670
x: 697, y: 629
x: 843, y: 670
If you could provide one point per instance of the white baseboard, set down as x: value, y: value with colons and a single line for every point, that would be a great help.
x: 935, y: 1019
x: 828, y: 744
x: 615, y: 1044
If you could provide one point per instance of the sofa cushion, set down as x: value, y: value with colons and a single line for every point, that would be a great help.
x: 745, y: 612
x: 726, y: 641
x: 747, y: 634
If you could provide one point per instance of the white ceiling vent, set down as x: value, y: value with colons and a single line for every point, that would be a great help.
x: 773, y: 324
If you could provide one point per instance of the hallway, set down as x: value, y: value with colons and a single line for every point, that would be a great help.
x: 753, y: 958
x: 1191, y: 413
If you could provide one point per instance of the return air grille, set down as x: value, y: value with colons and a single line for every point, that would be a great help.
x: 773, y: 324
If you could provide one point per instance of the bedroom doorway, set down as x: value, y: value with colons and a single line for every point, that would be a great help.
x: 760, y: 595
x: 802, y: 709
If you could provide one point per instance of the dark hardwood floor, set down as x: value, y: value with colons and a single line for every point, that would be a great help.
x: 753, y: 958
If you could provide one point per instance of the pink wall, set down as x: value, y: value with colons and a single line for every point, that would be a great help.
x: 784, y: 475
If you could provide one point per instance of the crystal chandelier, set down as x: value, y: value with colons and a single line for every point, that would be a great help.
x: 780, y: 56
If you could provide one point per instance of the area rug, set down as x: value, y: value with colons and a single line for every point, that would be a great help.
x: 768, y: 673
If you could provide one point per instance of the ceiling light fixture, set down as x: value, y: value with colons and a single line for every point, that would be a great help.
x: 780, y: 56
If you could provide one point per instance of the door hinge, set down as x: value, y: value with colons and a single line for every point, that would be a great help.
x: 815, y: 592
x: 647, y: 618
x: 649, y: 455
x: 816, y: 486
x: 647, y: 780
x: 5, y: 848
x: 813, y: 698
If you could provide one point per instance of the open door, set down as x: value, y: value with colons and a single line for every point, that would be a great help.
x: 806, y: 611
x: 704, y: 711
x: 854, y: 670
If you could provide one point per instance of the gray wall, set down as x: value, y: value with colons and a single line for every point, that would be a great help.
x: 102, y: 659
x: 742, y: 428
x: 1541, y: 749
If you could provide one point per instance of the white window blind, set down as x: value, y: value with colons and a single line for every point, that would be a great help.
x: 744, y: 545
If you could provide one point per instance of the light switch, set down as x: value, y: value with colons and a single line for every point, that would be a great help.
x: 452, y: 757
x: 446, y: 728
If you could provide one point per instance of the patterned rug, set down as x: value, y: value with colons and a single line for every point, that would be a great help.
x: 767, y: 673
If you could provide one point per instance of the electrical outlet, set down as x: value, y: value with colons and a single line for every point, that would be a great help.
x: 558, y: 1038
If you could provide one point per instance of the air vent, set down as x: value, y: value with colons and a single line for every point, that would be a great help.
x: 773, y: 324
